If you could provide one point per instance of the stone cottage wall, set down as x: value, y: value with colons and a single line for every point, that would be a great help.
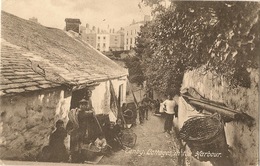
x: 243, y: 140
x: 27, y: 121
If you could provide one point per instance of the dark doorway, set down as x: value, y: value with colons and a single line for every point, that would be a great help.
x: 76, y: 97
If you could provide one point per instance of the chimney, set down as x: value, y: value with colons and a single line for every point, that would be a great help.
x: 94, y: 28
x: 98, y: 30
x: 72, y: 24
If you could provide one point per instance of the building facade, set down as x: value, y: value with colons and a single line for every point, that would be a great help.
x: 90, y: 38
x: 117, y: 41
x: 103, y: 42
x: 131, y: 32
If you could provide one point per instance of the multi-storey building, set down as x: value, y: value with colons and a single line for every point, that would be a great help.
x: 103, y: 40
x: 117, y: 40
x: 90, y: 38
x: 131, y: 32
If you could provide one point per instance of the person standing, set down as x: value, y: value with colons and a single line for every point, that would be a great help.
x: 80, y: 127
x: 169, y: 105
x: 142, y: 110
x: 146, y: 102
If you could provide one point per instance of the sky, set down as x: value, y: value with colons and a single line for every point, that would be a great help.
x: 99, y: 13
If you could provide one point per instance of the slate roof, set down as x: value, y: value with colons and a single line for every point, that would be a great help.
x: 35, y: 57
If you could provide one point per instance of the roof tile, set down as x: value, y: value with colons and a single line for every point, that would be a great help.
x: 43, y: 82
x: 19, y: 90
x: 20, y: 80
x: 30, y: 84
x: 4, y: 81
x: 11, y: 86
x: 2, y: 93
x: 32, y: 88
x: 45, y: 86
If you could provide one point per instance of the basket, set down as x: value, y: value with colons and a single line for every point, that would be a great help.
x: 205, y: 135
x: 90, y: 151
x: 128, y: 138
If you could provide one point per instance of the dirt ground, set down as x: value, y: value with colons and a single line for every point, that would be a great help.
x: 153, y: 147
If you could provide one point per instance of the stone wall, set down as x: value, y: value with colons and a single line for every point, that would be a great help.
x: 27, y: 121
x: 243, y: 140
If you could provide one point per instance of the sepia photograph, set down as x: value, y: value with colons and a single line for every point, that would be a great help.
x: 129, y: 82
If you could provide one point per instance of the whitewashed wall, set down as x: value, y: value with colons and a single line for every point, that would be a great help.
x: 101, y: 95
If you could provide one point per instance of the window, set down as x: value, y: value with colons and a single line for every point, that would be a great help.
x: 126, y: 33
x: 98, y: 45
x: 126, y: 41
x: 104, y: 37
x: 131, y: 41
x: 131, y: 32
x: 104, y: 44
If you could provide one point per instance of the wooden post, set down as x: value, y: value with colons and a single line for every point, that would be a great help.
x: 116, y: 102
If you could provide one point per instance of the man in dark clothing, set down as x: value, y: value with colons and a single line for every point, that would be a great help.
x: 56, y: 144
x: 146, y: 102
x: 80, y: 128
x: 142, y: 110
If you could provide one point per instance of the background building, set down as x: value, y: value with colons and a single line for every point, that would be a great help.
x: 117, y: 40
x: 131, y: 32
x: 103, y: 42
x: 90, y: 38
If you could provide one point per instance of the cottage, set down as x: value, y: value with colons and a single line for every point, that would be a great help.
x: 44, y: 73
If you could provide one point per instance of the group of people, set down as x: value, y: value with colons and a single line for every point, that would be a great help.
x: 167, y: 108
x: 85, y: 132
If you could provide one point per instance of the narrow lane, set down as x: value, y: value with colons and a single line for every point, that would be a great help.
x: 153, y: 147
